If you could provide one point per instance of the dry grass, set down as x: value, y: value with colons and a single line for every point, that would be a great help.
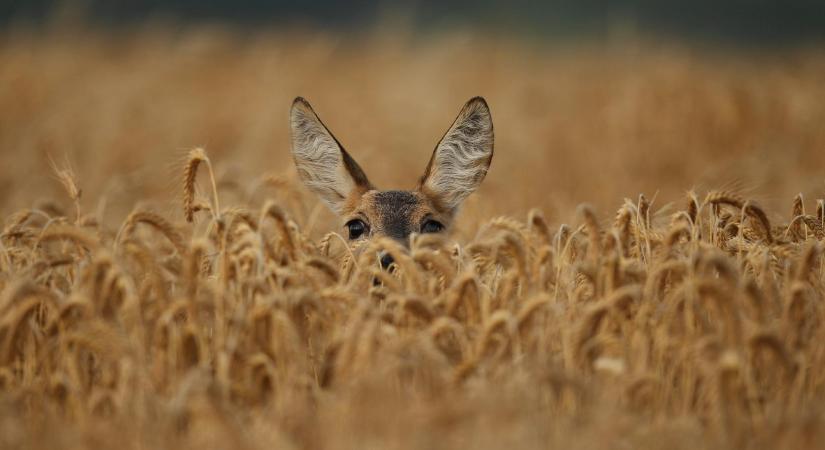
x: 128, y: 323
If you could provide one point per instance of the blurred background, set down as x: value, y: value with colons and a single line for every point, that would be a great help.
x: 593, y: 101
x: 749, y: 22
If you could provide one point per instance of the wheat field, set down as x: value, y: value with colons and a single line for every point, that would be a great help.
x: 642, y: 267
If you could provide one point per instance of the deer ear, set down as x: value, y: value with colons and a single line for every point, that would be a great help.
x: 462, y: 157
x: 323, y: 164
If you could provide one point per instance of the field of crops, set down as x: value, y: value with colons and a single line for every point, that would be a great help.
x: 641, y: 269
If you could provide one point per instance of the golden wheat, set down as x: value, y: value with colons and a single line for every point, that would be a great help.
x: 692, y: 324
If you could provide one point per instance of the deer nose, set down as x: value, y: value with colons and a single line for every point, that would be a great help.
x: 386, y: 260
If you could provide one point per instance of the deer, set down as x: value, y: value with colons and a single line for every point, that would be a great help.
x: 457, y: 167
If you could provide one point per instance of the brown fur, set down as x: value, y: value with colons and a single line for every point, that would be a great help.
x: 457, y: 166
x: 395, y: 214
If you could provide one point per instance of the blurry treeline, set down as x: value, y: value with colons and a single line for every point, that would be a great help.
x: 741, y: 22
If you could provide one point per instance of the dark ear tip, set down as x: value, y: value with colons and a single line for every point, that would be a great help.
x: 301, y: 103
x: 478, y: 101
x: 477, y: 104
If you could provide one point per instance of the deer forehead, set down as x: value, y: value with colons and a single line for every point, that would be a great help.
x: 394, y: 213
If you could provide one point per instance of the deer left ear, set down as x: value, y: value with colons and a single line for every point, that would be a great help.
x: 323, y: 164
x: 460, y: 160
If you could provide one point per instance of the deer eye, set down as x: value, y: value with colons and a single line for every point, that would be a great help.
x: 356, y: 228
x: 431, y: 226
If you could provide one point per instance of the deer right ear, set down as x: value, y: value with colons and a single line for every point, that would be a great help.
x: 460, y: 160
x: 323, y: 164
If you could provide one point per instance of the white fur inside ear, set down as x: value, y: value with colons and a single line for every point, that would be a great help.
x: 460, y: 161
x: 318, y: 157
